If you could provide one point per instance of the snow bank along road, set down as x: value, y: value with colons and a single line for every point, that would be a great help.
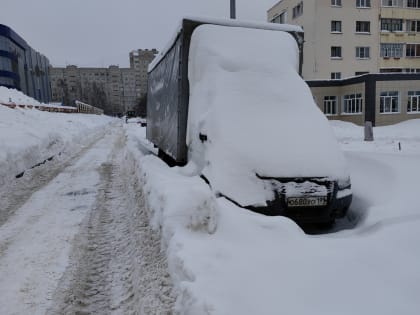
x: 68, y: 241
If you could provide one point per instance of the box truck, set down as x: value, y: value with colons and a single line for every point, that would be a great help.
x: 225, y: 98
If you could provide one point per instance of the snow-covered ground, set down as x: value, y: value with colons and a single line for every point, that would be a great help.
x: 227, y: 260
x: 222, y: 259
x: 29, y: 136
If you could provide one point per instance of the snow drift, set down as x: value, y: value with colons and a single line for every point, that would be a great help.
x: 258, y: 114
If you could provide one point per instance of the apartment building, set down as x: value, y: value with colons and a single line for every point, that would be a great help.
x: 100, y: 87
x: 354, y: 37
x: 361, y: 58
x: 139, y: 61
x: 116, y: 90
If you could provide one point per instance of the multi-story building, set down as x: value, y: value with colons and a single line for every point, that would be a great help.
x: 108, y: 88
x: 116, y: 90
x: 22, y: 67
x: 353, y: 37
x: 139, y: 61
x: 361, y: 58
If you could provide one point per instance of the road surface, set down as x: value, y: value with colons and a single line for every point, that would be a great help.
x: 75, y: 239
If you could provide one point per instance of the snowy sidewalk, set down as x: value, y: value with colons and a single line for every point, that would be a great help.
x: 35, y: 242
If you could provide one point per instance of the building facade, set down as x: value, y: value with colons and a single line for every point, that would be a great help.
x: 361, y: 58
x: 22, y: 67
x: 346, y: 38
x: 116, y: 90
x: 139, y: 61
x: 382, y: 99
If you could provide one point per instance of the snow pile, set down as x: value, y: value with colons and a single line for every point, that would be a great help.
x: 8, y: 96
x: 223, y: 22
x: 258, y: 114
x: 388, y: 139
x: 253, y: 264
x: 29, y: 136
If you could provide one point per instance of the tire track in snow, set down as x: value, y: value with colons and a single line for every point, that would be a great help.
x: 36, y: 240
x: 14, y: 195
x: 117, y: 267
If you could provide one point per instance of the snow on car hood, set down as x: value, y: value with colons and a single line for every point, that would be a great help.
x: 258, y: 114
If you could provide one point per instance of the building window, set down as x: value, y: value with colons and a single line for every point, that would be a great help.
x: 413, y: 104
x: 391, y: 50
x: 280, y: 19
x: 412, y: 50
x: 363, y: 3
x: 391, y: 70
x: 362, y: 52
x: 298, y: 10
x: 335, y: 26
x: 362, y: 27
x: 336, y: 3
x: 352, y: 103
x: 389, y: 102
x: 335, y: 51
x: 391, y: 25
x: 5, y: 64
x: 413, y: 3
x: 330, y: 105
x: 413, y: 26
x: 392, y: 3
x: 335, y: 75
x: 361, y: 72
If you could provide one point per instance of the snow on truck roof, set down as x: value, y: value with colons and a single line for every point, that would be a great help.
x: 222, y: 22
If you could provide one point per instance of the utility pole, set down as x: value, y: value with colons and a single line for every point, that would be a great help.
x: 232, y: 9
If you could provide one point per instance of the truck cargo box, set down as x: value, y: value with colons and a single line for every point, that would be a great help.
x: 168, y: 86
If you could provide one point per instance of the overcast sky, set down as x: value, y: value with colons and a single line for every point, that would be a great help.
x: 102, y: 32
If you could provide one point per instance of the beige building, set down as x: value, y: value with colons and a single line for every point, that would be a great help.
x: 369, y: 48
x: 382, y: 99
x: 344, y: 38
x: 116, y: 90
x: 139, y: 61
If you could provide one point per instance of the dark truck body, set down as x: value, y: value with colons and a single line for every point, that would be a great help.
x: 168, y: 90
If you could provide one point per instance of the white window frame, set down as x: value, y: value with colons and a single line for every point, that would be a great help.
x: 297, y: 10
x: 363, y: 4
x: 413, y: 95
x: 386, y: 102
x: 392, y: 50
x: 392, y: 3
x: 415, y: 4
x: 336, y: 49
x: 391, y: 24
x: 413, y: 24
x: 336, y: 3
x: 334, y: 28
x: 335, y: 75
x: 362, y: 52
x: 408, y: 51
x: 330, y: 105
x: 280, y: 18
x: 352, y: 104
x: 361, y: 29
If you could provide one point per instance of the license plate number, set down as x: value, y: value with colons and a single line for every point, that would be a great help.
x: 307, y: 201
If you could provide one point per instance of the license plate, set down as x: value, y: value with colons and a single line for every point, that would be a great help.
x: 307, y: 201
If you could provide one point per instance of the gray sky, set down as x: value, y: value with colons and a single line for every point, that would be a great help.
x: 103, y: 32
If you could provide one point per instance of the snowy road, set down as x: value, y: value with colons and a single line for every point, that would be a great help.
x: 68, y: 241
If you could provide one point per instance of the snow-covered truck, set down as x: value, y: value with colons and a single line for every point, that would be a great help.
x: 226, y: 98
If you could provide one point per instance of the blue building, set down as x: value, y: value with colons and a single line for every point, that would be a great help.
x: 22, y: 67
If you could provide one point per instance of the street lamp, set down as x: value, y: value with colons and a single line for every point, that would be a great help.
x: 232, y: 9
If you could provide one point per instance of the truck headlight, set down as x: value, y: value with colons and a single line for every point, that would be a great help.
x: 344, y: 183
